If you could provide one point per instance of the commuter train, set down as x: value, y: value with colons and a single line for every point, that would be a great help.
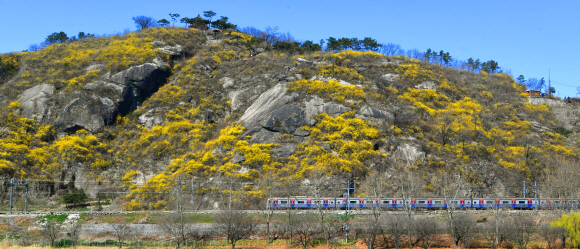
x: 419, y: 203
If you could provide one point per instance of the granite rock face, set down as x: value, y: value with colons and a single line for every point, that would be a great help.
x: 98, y: 103
x: 35, y: 102
x: 138, y: 83
x: 79, y: 114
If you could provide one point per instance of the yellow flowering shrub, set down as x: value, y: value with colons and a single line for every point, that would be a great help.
x: 338, y: 72
x: 331, y: 89
x: 415, y: 73
x: 64, y: 64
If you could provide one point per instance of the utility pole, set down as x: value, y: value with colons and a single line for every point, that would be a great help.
x: 11, y: 194
x: 178, y: 187
x: 536, y: 195
x: 12, y: 185
x: 524, y: 189
x: 348, y: 189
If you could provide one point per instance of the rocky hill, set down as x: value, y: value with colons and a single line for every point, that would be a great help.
x: 164, y: 107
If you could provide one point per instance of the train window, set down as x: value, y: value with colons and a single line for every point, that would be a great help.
x: 315, y: 202
x: 283, y: 202
x: 521, y: 202
x: 300, y: 202
x: 505, y: 202
x: 438, y: 202
x: 386, y: 202
x: 352, y: 202
x: 422, y: 202
x: 455, y: 202
x: 490, y: 202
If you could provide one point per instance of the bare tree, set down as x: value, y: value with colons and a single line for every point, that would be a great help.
x: 408, y: 191
x: 322, y: 186
x: 462, y: 230
x: 368, y: 230
x: 394, y: 229
x: 176, y: 226
x: 122, y: 233
x: 73, y: 234
x: 521, y: 230
x: 272, y: 188
x: 50, y: 230
x: 494, y: 232
x: 391, y: 49
x: 306, y: 229
x: 449, y: 187
x: 143, y: 22
x: 235, y: 225
x: 289, y: 225
x: 551, y: 235
x: 271, y: 35
x: 290, y: 212
x: 425, y: 231
x: 376, y: 184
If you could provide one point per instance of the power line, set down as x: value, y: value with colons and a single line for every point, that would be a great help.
x: 564, y: 85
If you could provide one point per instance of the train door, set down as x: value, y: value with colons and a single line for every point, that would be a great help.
x: 309, y: 203
x: 325, y: 203
x: 377, y: 203
x: 413, y: 203
x: 564, y: 203
x: 361, y: 203
x: 462, y: 203
x: 275, y: 203
x: 394, y: 203
x: 429, y: 203
x: 292, y: 203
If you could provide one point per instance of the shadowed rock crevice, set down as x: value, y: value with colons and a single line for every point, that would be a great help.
x: 139, y: 83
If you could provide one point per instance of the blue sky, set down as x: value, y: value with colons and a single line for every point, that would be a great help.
x: 528, y: 37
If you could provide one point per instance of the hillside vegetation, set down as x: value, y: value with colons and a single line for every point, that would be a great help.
x: 300, y: 123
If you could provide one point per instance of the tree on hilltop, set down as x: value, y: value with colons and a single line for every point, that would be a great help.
x: 163, y: 22
x: 187, y: 21
x: 490, y: 67
x: 143, y: 22
x: 223, y: 24
x: 200, y: 22
x: 174, y: 17
x: 209, y: 15
x: 55, y: 37
x: 521, y: 79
